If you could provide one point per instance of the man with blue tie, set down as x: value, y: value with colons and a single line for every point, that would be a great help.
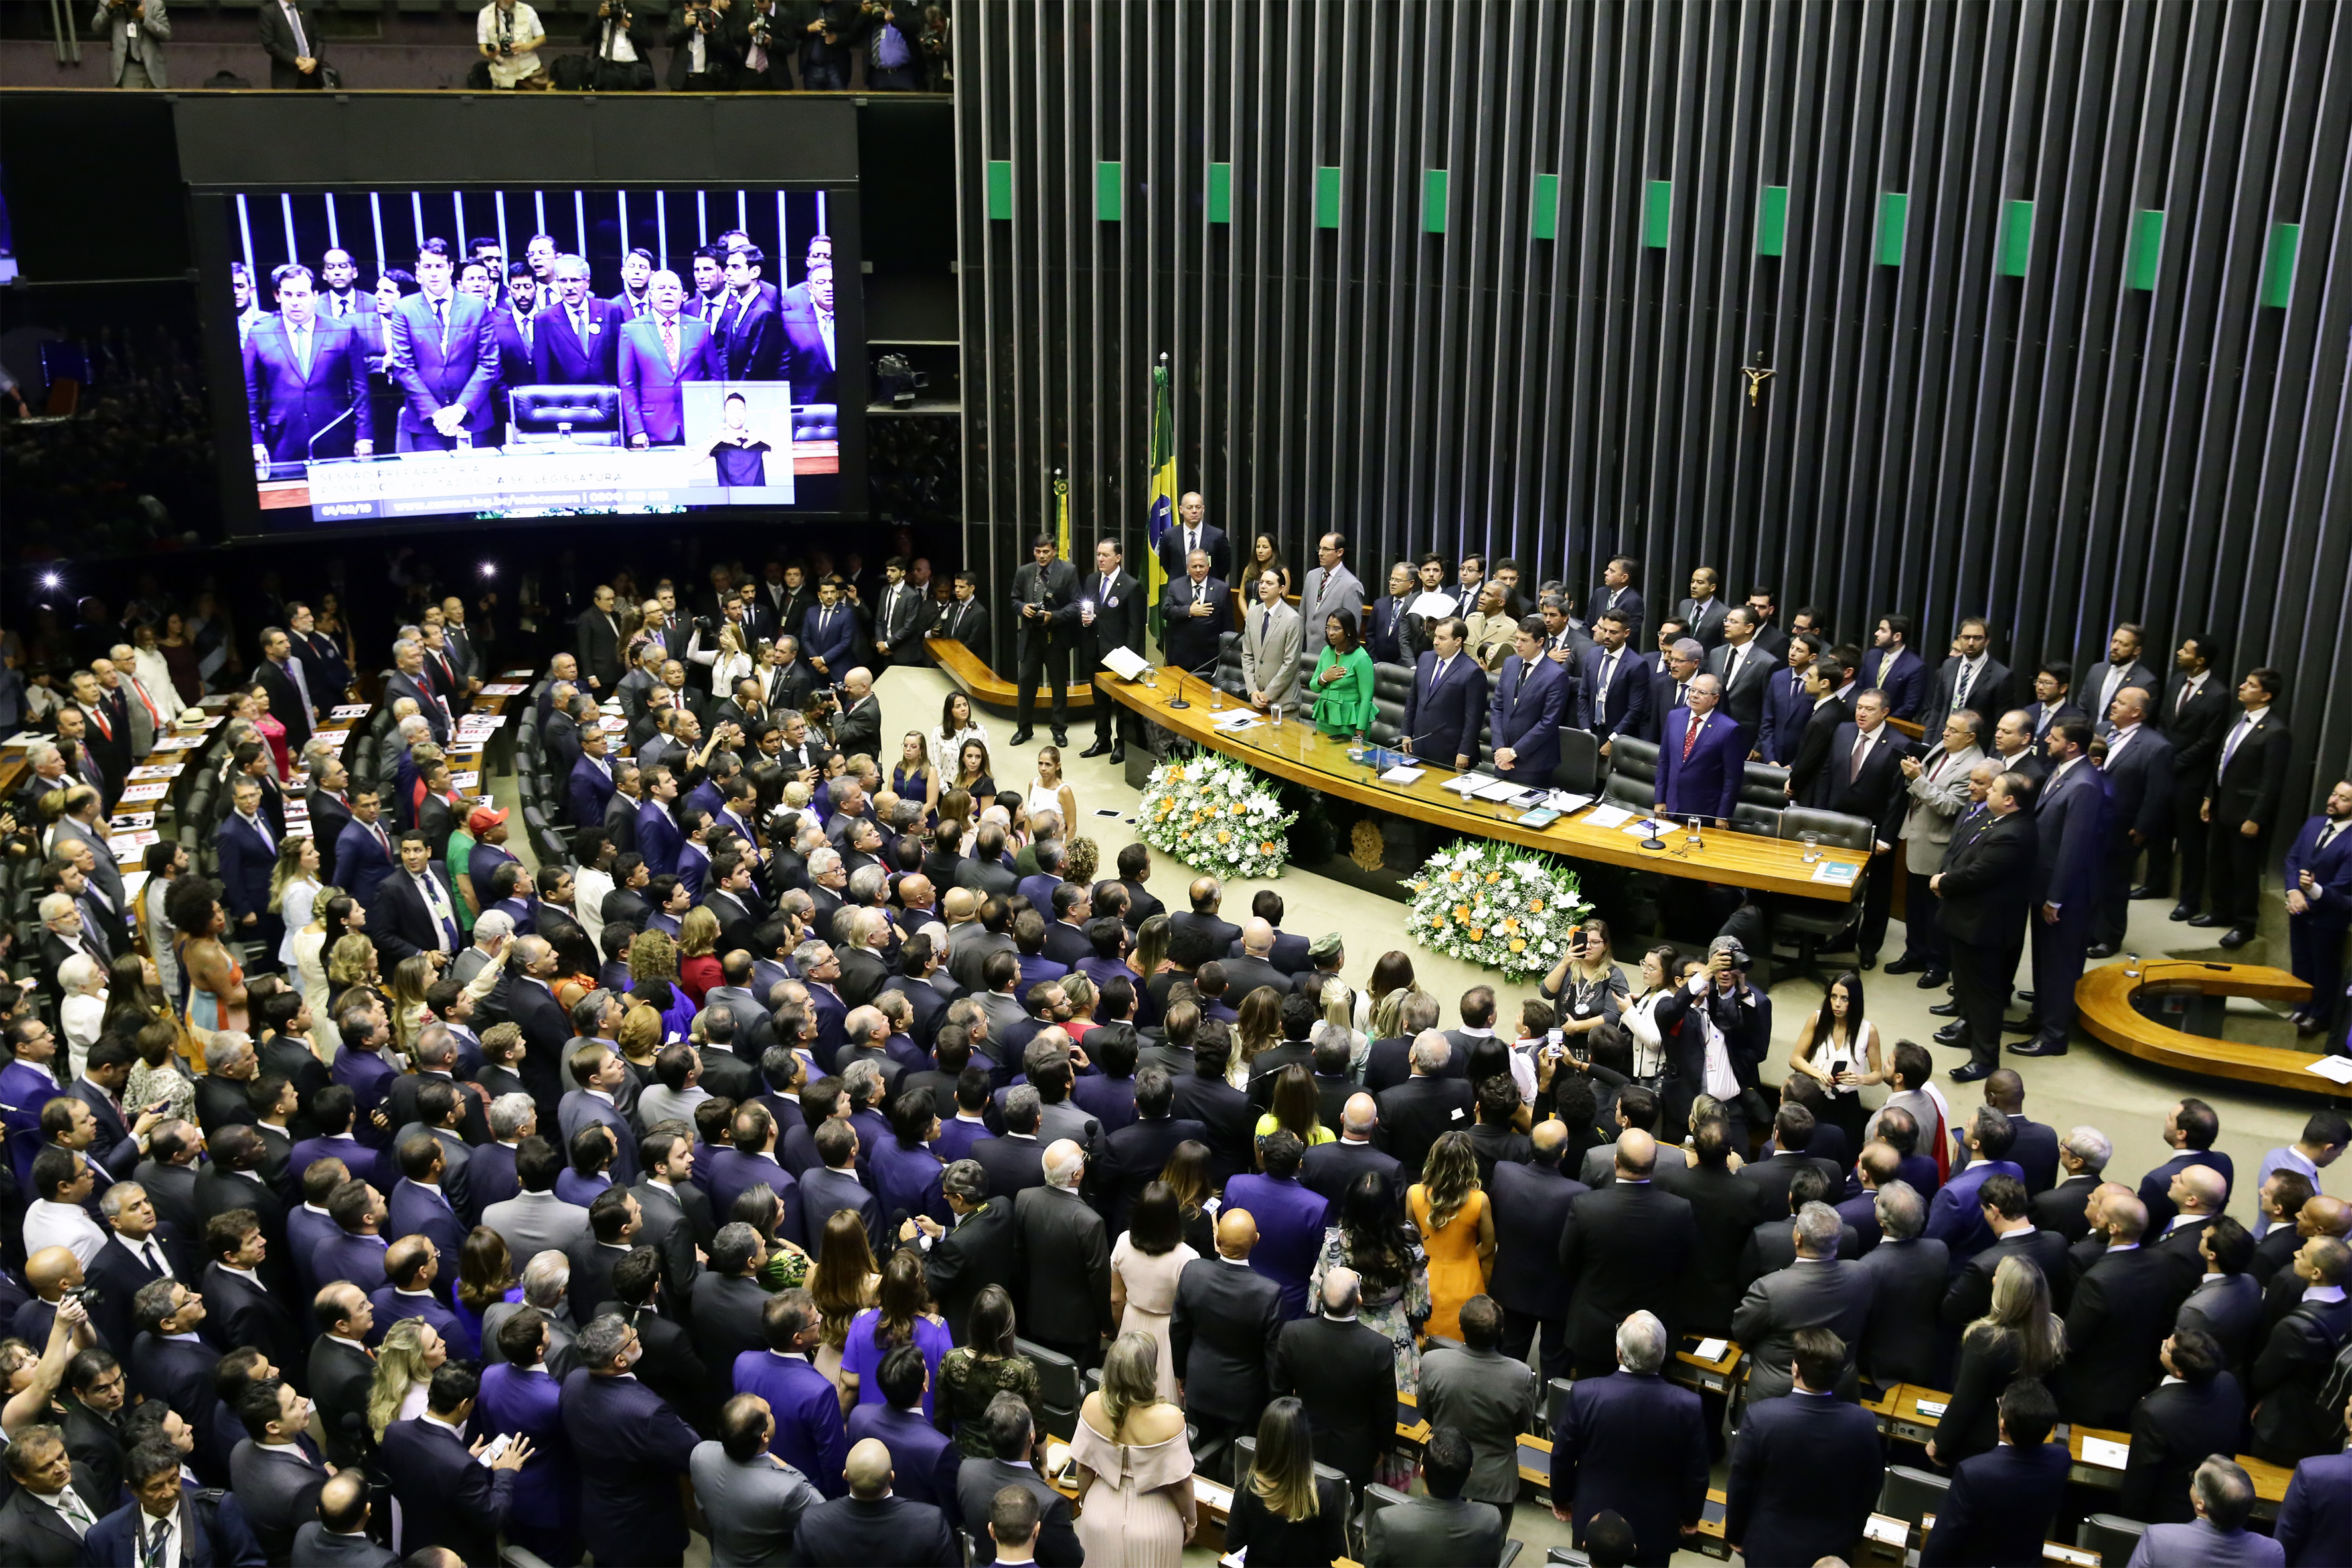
x: 248, y: 850
x: 577, y: 341
x: 417, y: 912
x: 442, y: 351
x: 1449, y: 696
x: 363, y: 850
x: 2242, y: 804
x: 631, y: 1449
x: 1531, y: 697
x: 1891, y: 666
x: 1700, y: 755
x: 1787, y: 706
x: 2319, y: 906
x: 829, y: 634
x: 2068, y: 816
x: 305, y: 380
x: 810, y: 359
x: 660, y: 353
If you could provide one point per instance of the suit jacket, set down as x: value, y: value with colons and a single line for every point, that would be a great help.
x: 2291, y: 1420
x: 33, y: 1534
x: 1190, y: 641
x: 964, y: 621
x: 279, y: 42
x: 279, y: 1491
x: 2155, y: 1186
x: 1531, y: 1206
x: 1345, y: 1376
x: 446, y: 1498
x: 1879, y: 796
x: 2072, y: 841
x: 2248, y: 786
x: 1627, y: 1245
x: 1441, y: 717
x: 240, y: 1313
x: 809, y: 361
x: 1987, y: 882
x: 630, y: 1447
x: 1969, y: 1296
x: 209, y: 1537
x: 340, y: 1380
x: 1786, y: 710
x: 2122, y: 1308
x: 1289, y: 1233
x: 1805, y: 1474
x: 1526, y: 715
x: 1705, y: 625
x: 752, y: 338
x: 2195, y: 726
x: 2172, y: 1431
x: 2062, y: 1208
x: 825, y: 1193
x: 1903, y: 677
x: 1213, y: 538
x: 1490, y: 1398
x: 1999, y: 1509
x: 402, y: 924
x: 651, y: 406
x: 1271, y: 640
x: 435, y: 365
x: 979, y: 1481
x: 1417, y: 1112
x: 142, y: 41
x: 562, y: 356
x: 316, y: 1547
x: 1988, y: 693
x: 1743, y: 698
x: 2329, y: 905
x: 1829, y: 1294
x: 2181, y: 1545
x: 1706, y: 782
x: 1637, y: 1444
x: 2315, y: 1522
x: 1065, y: 1259
x: 1222, y: 1332
x: 297, y: 411
x: 846, y: 1531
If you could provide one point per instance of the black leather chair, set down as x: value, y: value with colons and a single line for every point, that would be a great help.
x: 1816, y: 922
x: 553, y: 415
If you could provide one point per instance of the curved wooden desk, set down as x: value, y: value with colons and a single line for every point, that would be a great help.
x: 1298, y: 752
x: 982, y: 684
x: 2105, y: 997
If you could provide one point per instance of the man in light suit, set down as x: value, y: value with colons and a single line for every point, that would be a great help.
x: 1449, y: 698
x: 1331, y: 587
x: 2319, y: 906
x: 1744, y: 665
x: 1488, y: 1397
x: 1891, y: 666
x: 1444, y: 1526
x: 1820, y: 1290
x: 1530, y: 703
x: 1633, y: 1444
x: 1271, y: 634
x: 1937, y: 790
x: 576, y: 341
x: 2120, y: 669
x: 2223, y: 1496
x: 1700, y: 754
x: 752, y: 1499
x: 660, y: 353
x: 1115, y: 621
x: 2138, y: 772
x: 306, y: 390
x: 535, y: 1220
x: 137, y: 30
x: 2067, y: 815
x: 442, y: 352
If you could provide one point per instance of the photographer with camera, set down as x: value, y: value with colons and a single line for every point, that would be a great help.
x: 508, y: 35
x: 620, y: 64
x: 702, y: 52
x: 138, y: 29
x: 826, y: 28
x: 891, y: 30
x: 763, y: 42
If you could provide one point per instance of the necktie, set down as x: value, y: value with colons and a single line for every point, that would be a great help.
x: 2237, y: 733
x: 302, y: 349
x: 301, y: 42
x: 1861, y: 752
x: 2326, y: 835
x: 381, y: 842
x: 1682, y: 693
x: 669, y: 340
x: 1960, y: 690
x: 1601, y: 692
x: 1731, y: 669
x: 261, y: 832
x: 1690, y: 734
x: 159, y: 1533
x: 77, y: 1512
x: 2181, y: 702
x: 154, y: 1258
x: 441, y: 318
x: 98, y: 716
x: 580, y: 325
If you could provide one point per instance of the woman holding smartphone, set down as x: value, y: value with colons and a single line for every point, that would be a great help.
x: 1586, y: 988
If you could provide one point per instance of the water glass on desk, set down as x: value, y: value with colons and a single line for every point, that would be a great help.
x: 1812, y: 842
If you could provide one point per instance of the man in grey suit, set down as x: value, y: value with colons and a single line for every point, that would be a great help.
x: 1488, y: 1397
x: 751, y: 1500
x: 1820, y: 1290
x: 137, y: 30
x: 535, y: 1220
x: 1443, y: 1529
x: 1329, y: 589
x: 84, y: 821
x: 1009, y: 1434
x: 1270, y: 644
x: 1745, y: 667
x: 338, y: 1537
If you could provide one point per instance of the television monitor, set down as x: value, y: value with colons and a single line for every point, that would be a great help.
x: 505, y: 355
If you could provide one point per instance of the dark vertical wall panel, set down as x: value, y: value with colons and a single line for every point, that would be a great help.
x: 2055, y: 450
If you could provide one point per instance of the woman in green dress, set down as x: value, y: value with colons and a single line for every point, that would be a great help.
x: 1343, y: 680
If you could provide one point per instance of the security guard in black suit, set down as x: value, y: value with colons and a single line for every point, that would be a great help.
x: 1044, y: 608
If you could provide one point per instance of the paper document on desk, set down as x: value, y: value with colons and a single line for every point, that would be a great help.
x: 1501, y: 789
x: 1402, y: 775
x: 505, y: 689
x: 1125, y: 663
x: 1468, y: 784
x: 1710, y: 1350
x: 1608, y: 817
x: 1561, y: 801
x: 1645, y: 828
x: 2099, y: 1451
x: 2335, y: 1070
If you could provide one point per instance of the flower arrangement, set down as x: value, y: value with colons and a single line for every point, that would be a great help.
x: 1495, y: 906
x: 1216, y: 815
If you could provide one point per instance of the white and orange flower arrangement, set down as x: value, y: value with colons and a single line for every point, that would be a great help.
x: 1216, y: 815
x: 1495, y: 906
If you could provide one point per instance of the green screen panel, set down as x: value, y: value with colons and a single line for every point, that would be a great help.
x: 1221, y: 193
x: 1893, y: 221
x: 1000, y: 187
x: 1326, y: 198
x: 2016, y: 237
x: 1432, y: 201
x: 1772, y: 221
x: 2146, y: 254
x: 2278, y: 264
x: 1544, y: 218
x: 1657, y: 213
x: 1110, y: 192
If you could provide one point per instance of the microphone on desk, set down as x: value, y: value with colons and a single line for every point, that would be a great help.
x: 1178, y: 700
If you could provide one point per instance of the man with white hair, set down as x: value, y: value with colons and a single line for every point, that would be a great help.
x: 2082, y: 1156
x: 1820, y: 1290
x: 408, y: 680
x: 1632, y: 1444
x: 491, y: 1173
x: 1065, y: 1256
x: 66, y: 936
x: 1344, y: 1373
x: 659, y: 352
x: 1426, y: 1106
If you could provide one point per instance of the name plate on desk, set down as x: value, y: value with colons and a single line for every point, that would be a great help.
x: 2101, y: 1452
x: 154, y: 789
x: 350, y: 710
x: 506, y: 689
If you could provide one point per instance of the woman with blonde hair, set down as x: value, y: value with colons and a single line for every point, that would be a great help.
x: 697, y: 954
x: 2019, y: 1336
x: 294, y: 888
x: 350, y: 963
x: 843, y: 1284
x: 1449, y: 1207
x: 410, y: 1012
x: 1287, y: 1516
x: 654, y: 979
x: 404, y: 1363
x: 913, y: 777
x: 1295, y: 1108
x: 1134, y: 1467
x: 640, y: 1040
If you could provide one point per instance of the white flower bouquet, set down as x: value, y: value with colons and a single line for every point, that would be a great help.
x: 1494, y: 905
x: 1216, y: 815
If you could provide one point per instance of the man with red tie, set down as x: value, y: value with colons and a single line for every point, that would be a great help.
x: 1700, y: 753
x: 660, y: 352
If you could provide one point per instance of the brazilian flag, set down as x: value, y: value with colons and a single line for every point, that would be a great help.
x: 1163, y: 488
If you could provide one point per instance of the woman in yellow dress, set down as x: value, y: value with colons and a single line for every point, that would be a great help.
x: 1457, y: 1230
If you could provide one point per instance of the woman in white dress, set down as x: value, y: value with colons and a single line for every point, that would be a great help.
x: 1050, y: 792
x: 1838, y: 1048
x: 294, y: 888
x: 727, y: 657
x: 330, y: 918
x: 1649, y: 1064
x: 1144, y: 1265
x: 957, y: 725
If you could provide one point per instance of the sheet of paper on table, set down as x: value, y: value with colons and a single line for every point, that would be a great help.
x: 1608, y: 817
x: 1643, y: 828
x: 481, y: 721
x: 1935, y: 1407
x: 1125, y: 663
x: 465, y: 780
x: 1887, y: 1530
x: 158, y: 770
x: 2335, y: 1070
x: 179, y: 743
x: 131, y: 821
x: 154, y: 789
x: 1469, y: 783
x: 124, y: 845
x: 1710, y: 1350
x: 132, y: 882
x: 1234, y: 724
x: 1401, y: 774
x: 507, y: 689
x: 2100, y: 1451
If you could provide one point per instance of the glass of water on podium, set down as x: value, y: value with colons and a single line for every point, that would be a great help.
x: 1812, y: 843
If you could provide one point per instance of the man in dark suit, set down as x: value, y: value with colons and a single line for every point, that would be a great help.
x: 2196, y: 713
x: 1982, y: 894
x: 964, y: 619
x: 2138, y: 772
x: 1744, y: 664
x: 576, y: 338
x: 2122, y: 668
x: 1196, y: 609
x: 2319, y: 906
x: 202, y: 1534
x: 1633, y: 1444
x: 2003, y: 1502
x: 442, y: 352
x: 1787, y: 704
x: 1626, y: 1247
x: 1530, y: 703
x: 1449, y: 701
x: 1010, y: 1434
x: 1344, y: 1374
x: 1046, y: 613
x: 2052, y: 698
x: 1724, y: 1210
x: 2122, y: 1306
x: 2003, y: 1201
x: 1224, y: 1333
x: 1907, y: 1273
x: 1617, y: 595
x: 289, y: 36
x: 630, y: 1447
x: 342, y: 1371
x: 1065, y: 1259
x: 1806, y: 1469
x: 446, y: 1499
x: 2314, y: 1522
x: 2242, y: 805
x: 658, y: 354
x: 238, y: 1304
x: 2064, y: 896
x: 1415, y: 1113
x: 1703, y: 612
x: 276, y: 1478
x: 1700, y: 755
x: 338, y: 1538
x: 1616, y: 697
x: 1891, y: 666
x: 1189, y: 533
x: 1863, y: 776
x: 1970, y: 677
x: 870, y: 1525
x: 306, y: 384
x: 2083, y: 1154
x: 1531, y: 1206
x: 751, y: 332
x: 2198, y: 1409
x: 415, y: 910
x: 2291, y: 1419
x: 53, y: 1503
x: 1111, y: 606
x: 811, y: 355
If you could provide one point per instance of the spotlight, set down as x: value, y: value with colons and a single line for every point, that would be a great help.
x: 52, y: 579
x: 490, y: 568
